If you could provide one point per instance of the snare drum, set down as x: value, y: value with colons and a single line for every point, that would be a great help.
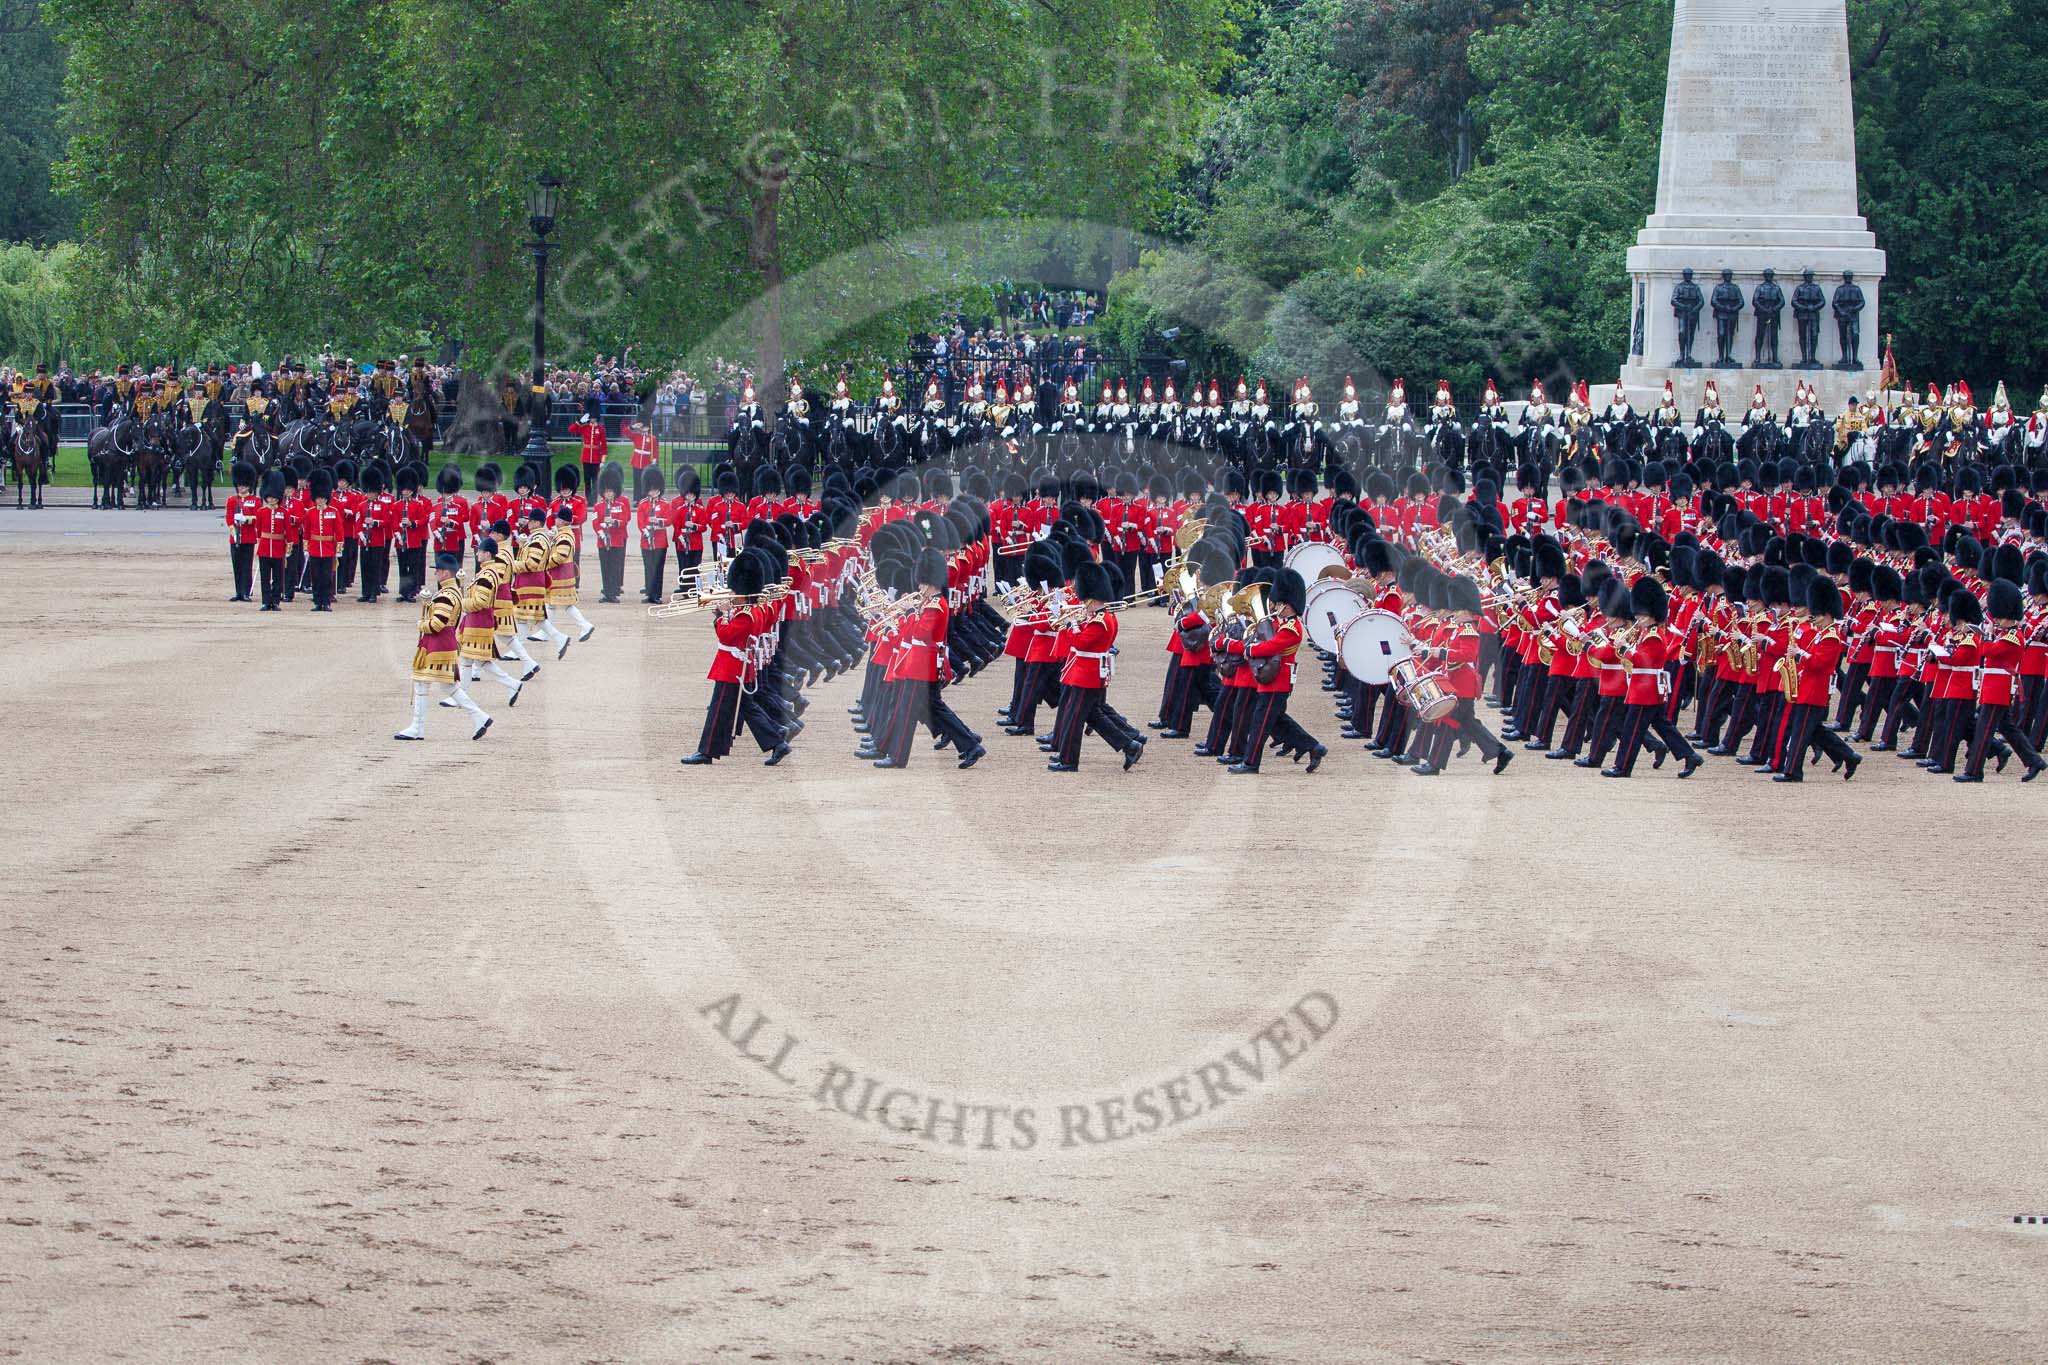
x: 1425, y: 694
x: 1331, y: 607
x: 1371, y: 643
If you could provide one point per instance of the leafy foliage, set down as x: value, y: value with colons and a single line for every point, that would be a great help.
x: 1333, y: 177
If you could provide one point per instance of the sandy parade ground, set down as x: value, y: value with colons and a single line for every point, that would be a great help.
x: 323, y: 1047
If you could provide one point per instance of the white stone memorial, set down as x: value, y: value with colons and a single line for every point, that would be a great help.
x: 1758, y: 171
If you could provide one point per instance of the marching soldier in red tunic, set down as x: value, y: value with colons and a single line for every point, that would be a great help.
x: 324, y: 524
x: 651, y: 517
x: 609, y: 524
x: 415, y: 513
x: 1815, y: 651
x: 921, y: 667
x: 1089, y: 643
x: 1997, y: 676
x: 434, y: 661
x: 1268, y: 706
x: 1460, y: 656
x: 379, y: 522
x: 242, y: 508
x: 273, y: 538
x: 1649, y: 684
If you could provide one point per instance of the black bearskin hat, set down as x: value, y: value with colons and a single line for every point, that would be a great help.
x: 1823, y: 598
x: 1290, y: 588
x: 449, y: 480
x: 1647, y: 599
x: 1464, y: 595
x: 1094, y: 583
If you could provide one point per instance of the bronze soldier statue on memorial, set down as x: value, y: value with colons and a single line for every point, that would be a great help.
x: 1849, y: 321
x: 1687, y: 302
x: 1807, y: 302
x: 1727, y: 317
x: 1768, y: 303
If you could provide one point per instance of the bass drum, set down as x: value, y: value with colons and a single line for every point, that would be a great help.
x: 1425, y: 694
x: 1331, y: 607
x: 1372, y: 643
x: 1311, y: 557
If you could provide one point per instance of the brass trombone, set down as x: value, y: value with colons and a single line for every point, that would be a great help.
x: 712, y: 599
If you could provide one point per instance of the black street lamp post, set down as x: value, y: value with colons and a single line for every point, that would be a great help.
x: 541, y: 204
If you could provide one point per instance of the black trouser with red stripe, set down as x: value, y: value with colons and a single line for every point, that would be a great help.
x: 1087, y: 708
x: 1954, y: 720
x: 1190, y: 686
x: 926, y: 702
x: 376, y: 570
x: 412, y: 571
x: 1804, y: 730
x: 242, y: 558
x: 1041, y: 684
x: 1637, y: 720
x: 272, y: 569
x: 1852, y: 694
x: 1392, y: 732
x: 730, y: 706
x: 345, y: 571
x: 1875, y: 702
x: 1464, y: 724
x: 1907, y: 693
x: 653, y: 567
x: 320, y: 574
x: 1607, y: 726
x: 1995, y: 722
x: 1170, y: 686
x: 1560, y: 697
x: 1224, y: 721
x: 2036, y: 691
x: 1267, y: 718
x: 611, y: 571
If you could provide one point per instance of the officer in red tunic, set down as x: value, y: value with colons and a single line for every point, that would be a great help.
x: 744, y: 634
x: 273, y: 538
x: 1089, y: 644
x: 596, y: 448
x: 1997, y: 678
x: 922, y: 669
x: 1649, y: 684
x: 242, y: 508
x: 1815, y: 652
x: 324, y: 524
x: 415, y: 518
x: 651, y: 517
x: 610, y: 524
x: 449, y: 516
x: 435, y: 661
x: 1460, y: 659
x: 379, y: 522
x: 646, y: 455
x: 350, y: 502
x: 1191, y: 676
x: 1269, y: 718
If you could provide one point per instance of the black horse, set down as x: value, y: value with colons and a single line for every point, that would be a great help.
x: 110, y: 451
x: 197, y: 460
x: 153, y: 456
x: 29, y: 448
